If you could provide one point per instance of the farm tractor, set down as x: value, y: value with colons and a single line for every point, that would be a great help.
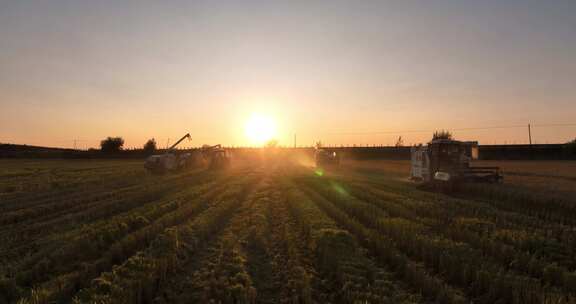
x: 325, y: 158
x: 170, y: 160
x: 446, y: 162
x: 216, y: 156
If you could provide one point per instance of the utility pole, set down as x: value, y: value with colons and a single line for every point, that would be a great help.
x: 529, y: 135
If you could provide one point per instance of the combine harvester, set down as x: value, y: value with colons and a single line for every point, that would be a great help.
x: 170, y: 160
x: 446, y: 162
x: 216, y: 156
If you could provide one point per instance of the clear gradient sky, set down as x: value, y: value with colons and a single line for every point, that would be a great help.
x: 84, y: 70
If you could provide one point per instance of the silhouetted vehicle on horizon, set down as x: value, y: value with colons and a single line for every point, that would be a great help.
x: 170, y: 160
x: 216, y: 156
x: 325, y: 158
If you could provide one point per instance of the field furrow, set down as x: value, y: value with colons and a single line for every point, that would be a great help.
x: 440, y: 254
x: 218, y: 271
x: 275, y: 232
x: 41, y: 232
x: 346, y: 271
x: 147, y: 270
x: 513, y: 246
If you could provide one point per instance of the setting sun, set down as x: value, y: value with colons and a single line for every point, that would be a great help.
x: 260, y: 128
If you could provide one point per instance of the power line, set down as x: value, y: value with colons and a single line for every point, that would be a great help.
x: 555, y: 125
x: 451, y: 129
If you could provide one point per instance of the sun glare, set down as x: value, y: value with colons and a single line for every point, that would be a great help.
x: 260, y: 129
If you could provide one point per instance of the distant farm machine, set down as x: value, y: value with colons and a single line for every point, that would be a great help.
x: 445, y: 162
x: 216, y: 156
x: 170, y: 160
x: 325, y: 158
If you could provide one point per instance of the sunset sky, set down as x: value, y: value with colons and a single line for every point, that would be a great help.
x: 344, y: 72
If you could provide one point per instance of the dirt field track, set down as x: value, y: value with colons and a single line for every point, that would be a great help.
x: 275, y: 231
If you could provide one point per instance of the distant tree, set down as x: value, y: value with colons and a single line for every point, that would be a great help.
x: 400, y: 142
x: 150, y: 146
x: 442, y: 134
x: 112, y: 144
x: 570, y: 147
x: 273, y: 143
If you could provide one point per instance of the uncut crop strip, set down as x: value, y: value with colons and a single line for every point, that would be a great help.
x: 293, y: 264
x: 53, y: 205
x: 28, y: 238
x: 57, y: 205
x: 272, y: 253
x: 26, y: 211
x: 477, y: 234
x: 532, y: 233
x: 448, y: 258
x: 388, y: 256
x: 545, y: 207
x: 103, y: 207
x: 403, y: 234
x: 480, y: 235
x: 252, y: 244
x: 57, y: 201
x: 51, y: 293
x: 562, y: 235
x: 49, y: 185
x: 537, y: 211
x: 140, y: 276
x: 94, y: 183
x: 254, y: 260
x: 131, y: 244
x: 85, y: 250
x: 87, y: 242
x: 53, y: 201
x: 218, y: 272
x: 345, y: 273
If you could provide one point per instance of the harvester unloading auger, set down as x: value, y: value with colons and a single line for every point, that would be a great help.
x: 170, y: 160
x: 445, y: 162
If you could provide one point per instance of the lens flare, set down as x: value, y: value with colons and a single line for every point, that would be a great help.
x: 339, y: 189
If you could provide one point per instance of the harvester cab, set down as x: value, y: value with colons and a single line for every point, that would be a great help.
x: 448, y: 161
x: 170, y: 160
